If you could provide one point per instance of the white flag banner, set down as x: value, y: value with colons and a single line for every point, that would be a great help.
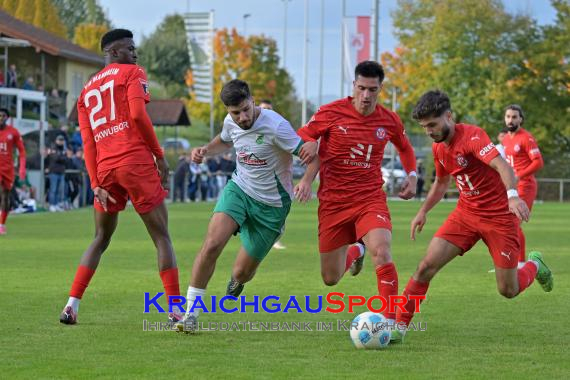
x: 199, y: 34
x: 356, y: 44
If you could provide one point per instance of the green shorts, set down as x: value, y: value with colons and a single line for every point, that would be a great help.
x: 260, y: 225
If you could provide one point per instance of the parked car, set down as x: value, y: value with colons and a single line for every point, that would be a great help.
x: 298, y: 169
x: 173, y: 143
x: 391, y: 176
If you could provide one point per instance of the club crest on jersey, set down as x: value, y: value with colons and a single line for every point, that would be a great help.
x: 517, y: 148
x: 10, y: 137
x: 259, y: 139
x: 381, y: 133
x: 462, y: 161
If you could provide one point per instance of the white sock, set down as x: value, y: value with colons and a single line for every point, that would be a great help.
x: 361, y: 248
x: 74, y: 303
x: 191, y: 296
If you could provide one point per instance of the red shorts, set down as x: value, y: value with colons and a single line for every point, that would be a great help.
x: 7, y: 179
x: 345, y: 223
x: 527, y: 192
x: 499, y: 233
x: 139, y: 183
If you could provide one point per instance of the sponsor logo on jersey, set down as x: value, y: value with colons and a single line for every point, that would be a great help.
x: 489, y: 147
x: 343, y: 129
x: 144, y: 85
x: 517, y: 148
x: 462, y: 161
x: 535, y: 151
x: 381, y: 133
x: 250, y: 159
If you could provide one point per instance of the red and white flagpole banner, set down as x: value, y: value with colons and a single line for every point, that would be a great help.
x: 356, y: 44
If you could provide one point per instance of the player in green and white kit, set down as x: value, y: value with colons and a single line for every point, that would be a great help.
x: 257, y: 199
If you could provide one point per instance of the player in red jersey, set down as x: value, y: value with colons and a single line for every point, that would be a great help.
x: 120, y: 152
x: 486, y: 210
x: 353, y: 133
x: 524, y: 156
x: 9, y: 138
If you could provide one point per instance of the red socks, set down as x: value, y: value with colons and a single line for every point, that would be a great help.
x: 387, y: 278
x: 526, y: 275
x: 352, y: 253
x: 81, y: 281
x: 414, y: 288
x: 522, y: 241
x: 170, y: 282
x: 3, y: 217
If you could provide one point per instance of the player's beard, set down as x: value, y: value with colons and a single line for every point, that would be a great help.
x: 249, y: 124
x: 443, y: 136
x: 512, y: 127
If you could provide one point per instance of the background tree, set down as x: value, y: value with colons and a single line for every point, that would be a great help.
x: 9, y: 6
x: 40, y: 13
x: 485, y: 59
x: 89, y: 36
x: 255, y: 61
x: 164, y: 55
x: 74, y: 13
x: 25, y: 11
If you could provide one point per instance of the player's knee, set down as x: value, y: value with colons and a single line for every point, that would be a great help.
x: 425, y: 271
x: 381, y: 254
x: 508, y: 291
x: 330, y: 279
x: 212, y: 248
x: 102, y: 240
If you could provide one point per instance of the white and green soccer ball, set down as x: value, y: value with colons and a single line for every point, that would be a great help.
x: 370, y: 331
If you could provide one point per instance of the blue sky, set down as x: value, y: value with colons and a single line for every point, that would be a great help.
x: 267, y: 17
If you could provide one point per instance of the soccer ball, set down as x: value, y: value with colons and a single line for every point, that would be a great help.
x: 370, y: 331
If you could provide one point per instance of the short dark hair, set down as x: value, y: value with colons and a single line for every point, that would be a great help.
x: 266, y: 101
x: 369, y: 69
x: 516, y: 107
x: 234, y: 93
x: 433, y: 103
x: 5, y: 110
x: 114, y: 35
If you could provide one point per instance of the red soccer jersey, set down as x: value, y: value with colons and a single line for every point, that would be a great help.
x: 521, y: 150
x: 467, y: 158
x: 9, y: 138
x: 103, y: 107
x: 352, y: 148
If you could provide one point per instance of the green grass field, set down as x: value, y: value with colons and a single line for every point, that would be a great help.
x: 472, y: 332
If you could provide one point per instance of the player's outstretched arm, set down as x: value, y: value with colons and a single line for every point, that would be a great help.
x: 516, y: 205
x: 214, y: 147
x: 436, y: 192
x: 304, y: 189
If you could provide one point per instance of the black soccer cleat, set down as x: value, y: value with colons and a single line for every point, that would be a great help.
x: 234, y: 288
x: 68, y: 316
